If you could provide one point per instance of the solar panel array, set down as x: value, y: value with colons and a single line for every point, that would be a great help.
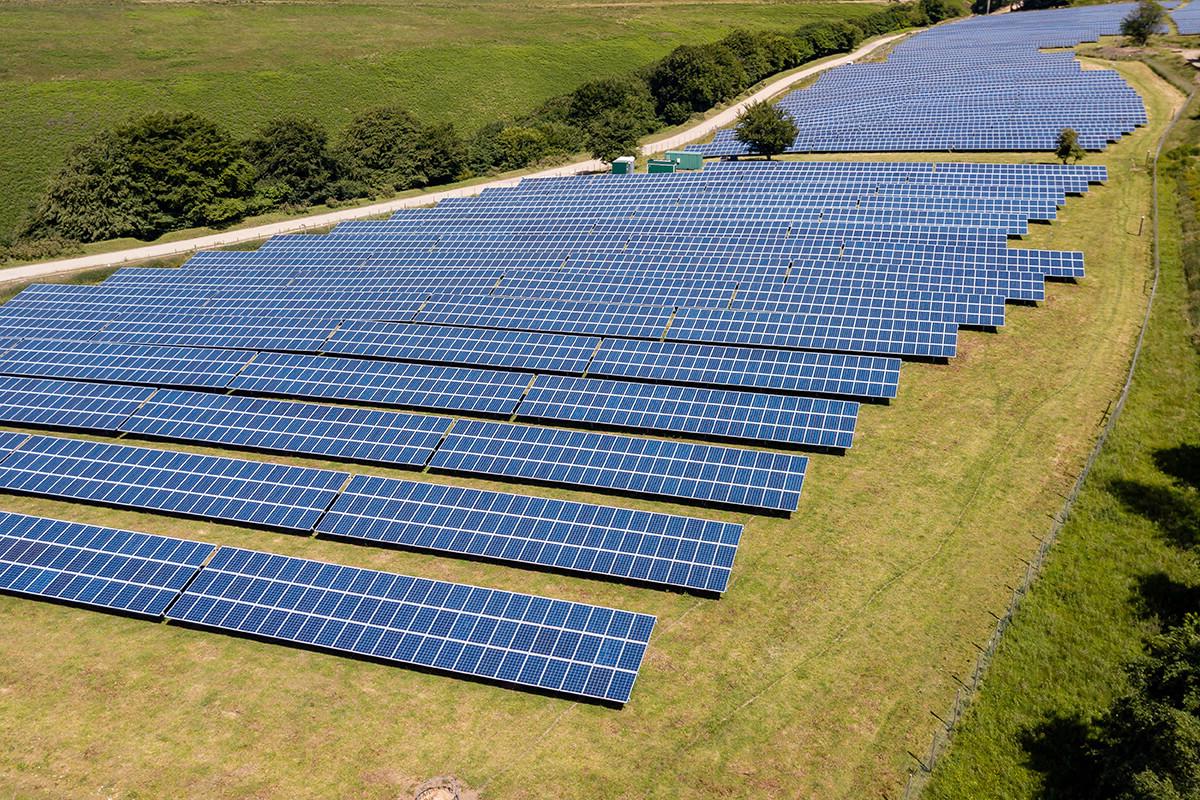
x: 1187, y: 19
x: 706, y: 321
x: 981, y: 83
x: 574, y: 649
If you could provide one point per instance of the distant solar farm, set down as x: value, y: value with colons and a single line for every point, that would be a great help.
x: 980, y: 84
x: 693, y: 338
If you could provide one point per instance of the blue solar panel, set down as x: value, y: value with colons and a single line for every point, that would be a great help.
x: 874, y: 335
x: 541, y: 352
x: 785, y: 419
x: 124, y: 363
x: 355, y: 434
x: 532, y: 531
x: 981, y: 83
x: 93, y: 566
x: 869, y: 377
x: 676, y: 470
x: 209, y: 487
x: 67, y: 404
x: 383, y: 383
x: 9, y: 441
x: 571, y: 648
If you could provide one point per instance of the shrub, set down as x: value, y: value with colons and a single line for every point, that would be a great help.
x: 766, y: 129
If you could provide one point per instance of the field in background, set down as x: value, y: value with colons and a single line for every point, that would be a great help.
x: 70, y: 68
x: 842, y: 630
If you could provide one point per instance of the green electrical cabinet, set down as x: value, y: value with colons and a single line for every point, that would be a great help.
x: 684, y: 159
x: 623, y: 165
x: 660, y: 167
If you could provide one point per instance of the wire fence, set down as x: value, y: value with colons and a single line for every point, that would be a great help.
x: 918, y: 777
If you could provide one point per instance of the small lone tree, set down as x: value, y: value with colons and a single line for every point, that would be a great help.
x: 1143, y: 22
x: 765, y: 129
x: 1068, y: 147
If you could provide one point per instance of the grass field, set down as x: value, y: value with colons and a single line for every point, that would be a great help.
x: 1121, y: 569
x: 70, y: 68
x: 842, y: 630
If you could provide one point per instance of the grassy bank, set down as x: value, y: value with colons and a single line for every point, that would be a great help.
x: 70, y: 68
x: 1120, y: 570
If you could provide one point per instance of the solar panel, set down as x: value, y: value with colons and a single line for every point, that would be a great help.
x: 209, y: 487
x: 124, y: 363
x: 541, y: 352
x: 9, y: 441
x: 676, y: 470
x: 570, y: 648
x: 758, y: 417
x: 383, y: 383
x: 532, y: 531
x: 354, y: 434
x: 872, y: 335
x: 67, y: 404
x: 94, y: 566
x: 835, y: 374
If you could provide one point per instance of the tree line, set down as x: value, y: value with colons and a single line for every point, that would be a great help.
x: 169, y: 171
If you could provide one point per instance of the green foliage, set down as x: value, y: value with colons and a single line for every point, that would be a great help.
x: 292, y: 161
x: 930, y: 12
x: 379, y: 149
x: 158, y: 173
x: 1067, y: 146
x: 695, y: 78
x: 766, y: 129
x: 1145, y: 20
x: 614, y: 133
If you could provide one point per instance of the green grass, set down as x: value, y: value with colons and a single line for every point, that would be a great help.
x: 812, y: 677
x: 70, y: 68
x: 1117, y: 571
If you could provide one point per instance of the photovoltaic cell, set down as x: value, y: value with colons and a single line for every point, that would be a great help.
x: 533, y: 531
x: 676, y: 470
x: 870, y: 377
x: 355, y: 434
x: 124, y: 363
x: 571, y: 648
x: 383, y: 383
x: 68, y: 404
x: 538, y: 352
x: 93, y: 566
x: 759, y: 417
x: 210, y: 487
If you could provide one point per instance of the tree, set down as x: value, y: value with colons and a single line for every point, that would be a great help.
x: 158, y: 173
x: 1148, y: 744
x: 934, y: 11
x: 766, y: 129
x: 695, y: 78
x: 628, y: 95
x: 614, y: 133
x: 1068, y: 147
x: 1143, y: 22
x: 292, y: 159
x: 379, y: 148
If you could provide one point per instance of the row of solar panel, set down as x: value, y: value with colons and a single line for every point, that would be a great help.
x: 669, y: 469
x: 600, y: 541
x: 932, y: 94
x: 575, y: 649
